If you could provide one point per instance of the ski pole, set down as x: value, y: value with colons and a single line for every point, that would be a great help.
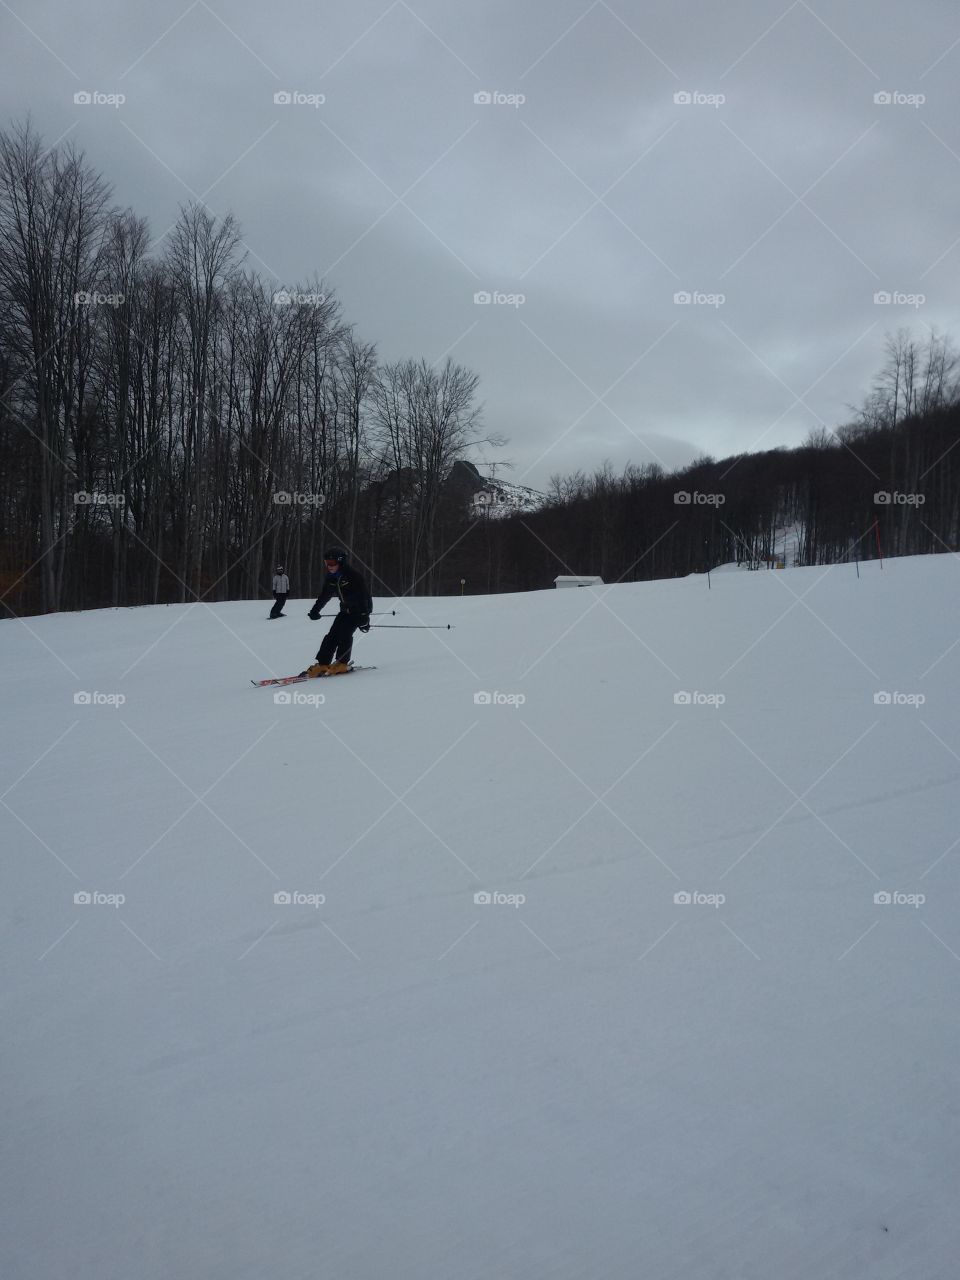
x: 408, y: 626
x: 381, y: 613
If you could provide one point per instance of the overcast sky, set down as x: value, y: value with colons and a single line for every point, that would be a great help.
x: 782, y: 197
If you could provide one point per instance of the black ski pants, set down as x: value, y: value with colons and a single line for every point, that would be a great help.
x: 338, y: 640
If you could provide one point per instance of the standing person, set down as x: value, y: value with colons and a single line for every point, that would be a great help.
x: 345, y: 584
x: 281, y: 589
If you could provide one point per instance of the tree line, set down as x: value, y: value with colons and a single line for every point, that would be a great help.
x: 171, y: 427
x: 887, y: 483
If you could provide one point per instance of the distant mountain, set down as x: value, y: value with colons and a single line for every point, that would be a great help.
x: 497, y: 499
x: 489, y: 497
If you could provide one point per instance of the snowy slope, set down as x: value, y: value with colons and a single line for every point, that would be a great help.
x: 402, y: 1082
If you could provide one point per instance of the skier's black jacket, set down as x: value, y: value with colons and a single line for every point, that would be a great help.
x: 349, y: 588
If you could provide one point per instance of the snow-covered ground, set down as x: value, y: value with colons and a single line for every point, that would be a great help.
x: 586, y: 1076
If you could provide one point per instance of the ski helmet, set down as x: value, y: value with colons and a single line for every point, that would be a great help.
x: 336, y: 553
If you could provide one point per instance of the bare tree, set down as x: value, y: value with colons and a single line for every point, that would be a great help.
x: 201, y: 255
x: 53, y: 218
x: 428, y: 419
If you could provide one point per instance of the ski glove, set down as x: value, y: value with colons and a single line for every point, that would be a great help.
x: 313, y: 616
x: 364, y: 623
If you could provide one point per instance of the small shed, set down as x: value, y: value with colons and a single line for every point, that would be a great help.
x: 573, y: 580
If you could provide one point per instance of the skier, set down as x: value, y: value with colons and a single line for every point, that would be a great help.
x: 281, y: 589
x: 356, y: 604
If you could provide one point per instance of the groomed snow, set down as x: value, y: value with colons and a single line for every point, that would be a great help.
x: 400, y: 1083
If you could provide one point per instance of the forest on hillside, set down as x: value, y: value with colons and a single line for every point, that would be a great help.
x: 172, y: 426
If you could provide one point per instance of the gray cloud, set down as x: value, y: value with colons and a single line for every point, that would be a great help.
x: 599, y: 198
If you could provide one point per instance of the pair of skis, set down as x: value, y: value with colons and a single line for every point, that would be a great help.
x: 281, y: 680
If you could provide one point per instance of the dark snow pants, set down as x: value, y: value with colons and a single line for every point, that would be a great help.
x: 338, y: 640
